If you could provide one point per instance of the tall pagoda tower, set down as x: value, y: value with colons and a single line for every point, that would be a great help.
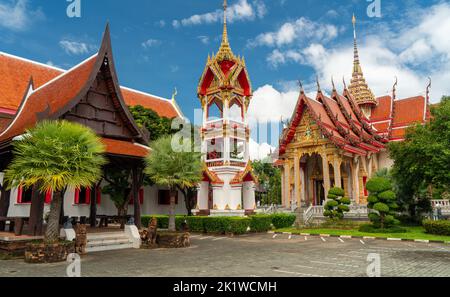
x: 228, y: 186
x: 361, y: 92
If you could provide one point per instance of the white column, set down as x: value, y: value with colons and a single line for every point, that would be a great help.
x: 287, y: 184
x: 249, y: 196
x: 326, y: 174
x: 297, y: 181
x: 303, y: 185
x: 337, y: 173
x: 355, y: 180
x: 226, y: 140
x: 202, y: 196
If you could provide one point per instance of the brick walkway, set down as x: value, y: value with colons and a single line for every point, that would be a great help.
x: 258, y: 256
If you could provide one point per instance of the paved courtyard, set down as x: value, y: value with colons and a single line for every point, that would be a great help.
x: 263, y: 255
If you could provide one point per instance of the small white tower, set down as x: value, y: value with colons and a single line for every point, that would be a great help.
x: 228, y: 187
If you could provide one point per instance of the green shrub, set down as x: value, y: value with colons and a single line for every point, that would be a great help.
x: 382, y: 201
x: 236, y: 225
x: 214, y: 225
x: 437, y: 227
x: 196, y: 224
x: 260, y: 223
x: 283, y: 220
x: 337, y: 205
x: 163, y: 221
x: 369, y: 228
x: 378, y: 185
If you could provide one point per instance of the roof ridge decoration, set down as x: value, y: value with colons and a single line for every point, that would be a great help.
x: 392, y: 111
x: 358, y: 86
x: 225, y: 52
x: 91, y: 66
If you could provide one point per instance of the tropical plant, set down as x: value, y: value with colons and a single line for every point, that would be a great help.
x: 337, y: 204
x: 421, y: 163
x: 269, y: 179
x: 382, y: 202
x: 149, y: 119
x: 56, y: 155
x: 119, y: 190
x: 173, y: 169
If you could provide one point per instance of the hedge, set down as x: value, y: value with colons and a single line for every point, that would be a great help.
x: 283, y: 220
x: 222, y: 225
x: 437, y: 227
x: 260, y: 223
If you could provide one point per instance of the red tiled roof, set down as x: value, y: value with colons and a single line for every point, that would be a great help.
x: 162, y: 107
x: 407, y: 112
x: 15, y: 73
x: 50, y: 98
x: 382, y: 110
x: 124, y: 148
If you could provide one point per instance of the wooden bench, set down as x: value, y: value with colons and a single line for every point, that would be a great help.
x: 15, y: 224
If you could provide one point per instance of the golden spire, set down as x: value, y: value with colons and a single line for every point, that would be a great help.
x: 358, y: 86
x: 225, y: 52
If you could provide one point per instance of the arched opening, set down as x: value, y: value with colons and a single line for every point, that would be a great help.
x: 236, y: 111
x: 215, y: 110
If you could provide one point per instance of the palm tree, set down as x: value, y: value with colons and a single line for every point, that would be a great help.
x: 173, y: 169
x: 56, y: 155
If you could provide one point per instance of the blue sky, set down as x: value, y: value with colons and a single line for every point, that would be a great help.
x: 159, y: 45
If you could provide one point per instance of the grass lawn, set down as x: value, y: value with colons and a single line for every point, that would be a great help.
x: 412, y: 233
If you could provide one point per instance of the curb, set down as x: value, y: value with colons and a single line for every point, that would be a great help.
x: 362, y: 237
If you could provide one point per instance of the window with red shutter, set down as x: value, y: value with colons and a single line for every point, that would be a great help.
x: 83, y: 196
x: 164, y: 197
x: 24, y: 196
x: 99, y: 195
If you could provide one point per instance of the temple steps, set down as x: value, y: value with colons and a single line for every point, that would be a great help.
x: 108, y: 242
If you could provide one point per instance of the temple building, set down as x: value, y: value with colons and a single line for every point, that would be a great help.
x: 228, y: 186
x: 341, y: 140
x: 90, y: 94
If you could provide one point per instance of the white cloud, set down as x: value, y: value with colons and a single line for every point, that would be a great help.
x: 242, y: 10
x: 260, y: 151
x: 203, y: 39
x: 270, y: 105
x: 151, y: 43
x: 17, y: 15
x: 302, y: 29
x: 418, y: 50
x: 75, y: 47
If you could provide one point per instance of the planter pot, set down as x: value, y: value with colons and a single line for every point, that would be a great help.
x: 48, y: 253
x: 173, y: 240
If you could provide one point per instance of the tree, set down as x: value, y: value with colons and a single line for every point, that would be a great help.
x: 382, y: 201
x: 337, y: 204
x: 119, y: 190
x: 422, y: 162
x: 269, y: 178
x: 56, y: 155
x: 173, y: 169
x: 149, y: 119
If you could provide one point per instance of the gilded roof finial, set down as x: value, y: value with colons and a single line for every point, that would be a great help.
x: 332, y: 83
x: 358, y: 86
x: 225, y: 31
x: 301, y: 86
x: 318, y: 84
x: 225, y: 52
x: 345, y: 84
x: 394, y: 89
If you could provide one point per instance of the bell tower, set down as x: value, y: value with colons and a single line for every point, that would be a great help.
x: 228, y: 186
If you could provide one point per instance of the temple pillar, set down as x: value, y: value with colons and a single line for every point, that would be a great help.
x: 302, y: 185
x: 370, y: 167
x: 337, y: 172
x: 36, y: 213
x: 135, y: 186
x: 326, y: 174
x: 283, y: 191
x: 355, y: 180
x: 297, y: 181
x: 287, y: 184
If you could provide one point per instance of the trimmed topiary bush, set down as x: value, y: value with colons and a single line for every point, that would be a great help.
x: 260, y: 223
x: 337, y: 205
x: 196, y: 224
x: 437, y: 227
x: 382, y: 202
x: 283, y: 220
